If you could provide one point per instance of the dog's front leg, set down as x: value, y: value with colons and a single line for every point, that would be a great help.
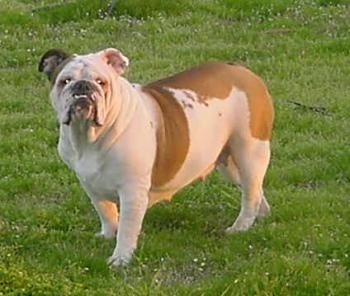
x: 133, y: 205
x: 108, y: 213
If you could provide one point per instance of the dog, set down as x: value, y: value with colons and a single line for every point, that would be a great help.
x: 134, y: 145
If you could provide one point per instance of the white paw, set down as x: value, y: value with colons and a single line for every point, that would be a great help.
x: 241, y: 224
x: 108, y: 234
x: 118, y: 260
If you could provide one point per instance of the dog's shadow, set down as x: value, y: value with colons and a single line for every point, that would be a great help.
x: 169, y: 216
x: 178, y: 217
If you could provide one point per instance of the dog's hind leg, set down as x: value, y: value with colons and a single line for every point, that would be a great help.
x: 229, y: 170
x: 246, y: 167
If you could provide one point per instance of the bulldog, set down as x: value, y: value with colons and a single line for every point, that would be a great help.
x: 133, y: 145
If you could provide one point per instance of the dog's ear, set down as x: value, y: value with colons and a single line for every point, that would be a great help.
x: 50, y: 61
x: 115, y: 59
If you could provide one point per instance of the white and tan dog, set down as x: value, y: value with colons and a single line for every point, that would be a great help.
x: 136, y: 145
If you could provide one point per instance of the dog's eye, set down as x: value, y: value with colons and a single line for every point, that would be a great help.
x: 66, y: 81
x: 100, y: 82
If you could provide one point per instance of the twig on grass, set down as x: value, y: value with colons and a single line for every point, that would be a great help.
x: 48, y: 7
x: 317, y: 109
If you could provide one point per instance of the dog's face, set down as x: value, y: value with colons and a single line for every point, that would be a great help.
x: 82, y: 85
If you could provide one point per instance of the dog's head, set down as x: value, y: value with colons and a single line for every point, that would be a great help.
x: 82, y: 85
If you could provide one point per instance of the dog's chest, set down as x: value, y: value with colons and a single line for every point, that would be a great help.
x: 96, y: 171
x: 97, y: 175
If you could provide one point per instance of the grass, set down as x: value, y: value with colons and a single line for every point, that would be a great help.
x: 300, y: 48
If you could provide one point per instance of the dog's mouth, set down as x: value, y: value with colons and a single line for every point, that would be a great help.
x: 82, y: 104
x: 83, y: 107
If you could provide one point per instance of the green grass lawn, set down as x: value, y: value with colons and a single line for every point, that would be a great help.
x: 47, y: 224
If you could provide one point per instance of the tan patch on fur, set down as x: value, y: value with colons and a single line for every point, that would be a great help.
x: 157, y: 196
x: 259, y: 100
x: 216, y: 80
x: 172, y: 136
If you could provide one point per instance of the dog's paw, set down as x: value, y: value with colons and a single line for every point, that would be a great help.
x: 241, y: 224
x: 118, y: 261
x: 106, y: 234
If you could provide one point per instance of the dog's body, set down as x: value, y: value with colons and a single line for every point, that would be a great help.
x: 138, y: 144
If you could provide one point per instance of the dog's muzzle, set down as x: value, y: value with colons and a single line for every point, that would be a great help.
x: 82, y: 103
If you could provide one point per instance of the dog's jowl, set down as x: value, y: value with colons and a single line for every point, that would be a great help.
x: 134, y: 145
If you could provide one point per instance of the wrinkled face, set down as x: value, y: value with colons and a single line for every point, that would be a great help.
x: 83, y: 85
x: 82, y: 90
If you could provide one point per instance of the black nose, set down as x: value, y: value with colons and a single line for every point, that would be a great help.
x: 82, y: 87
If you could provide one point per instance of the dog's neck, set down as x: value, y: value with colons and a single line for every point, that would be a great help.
x: 84, y: 136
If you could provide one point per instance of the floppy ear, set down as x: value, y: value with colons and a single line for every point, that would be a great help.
x: 50, y: 61
x: 115, y: 59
